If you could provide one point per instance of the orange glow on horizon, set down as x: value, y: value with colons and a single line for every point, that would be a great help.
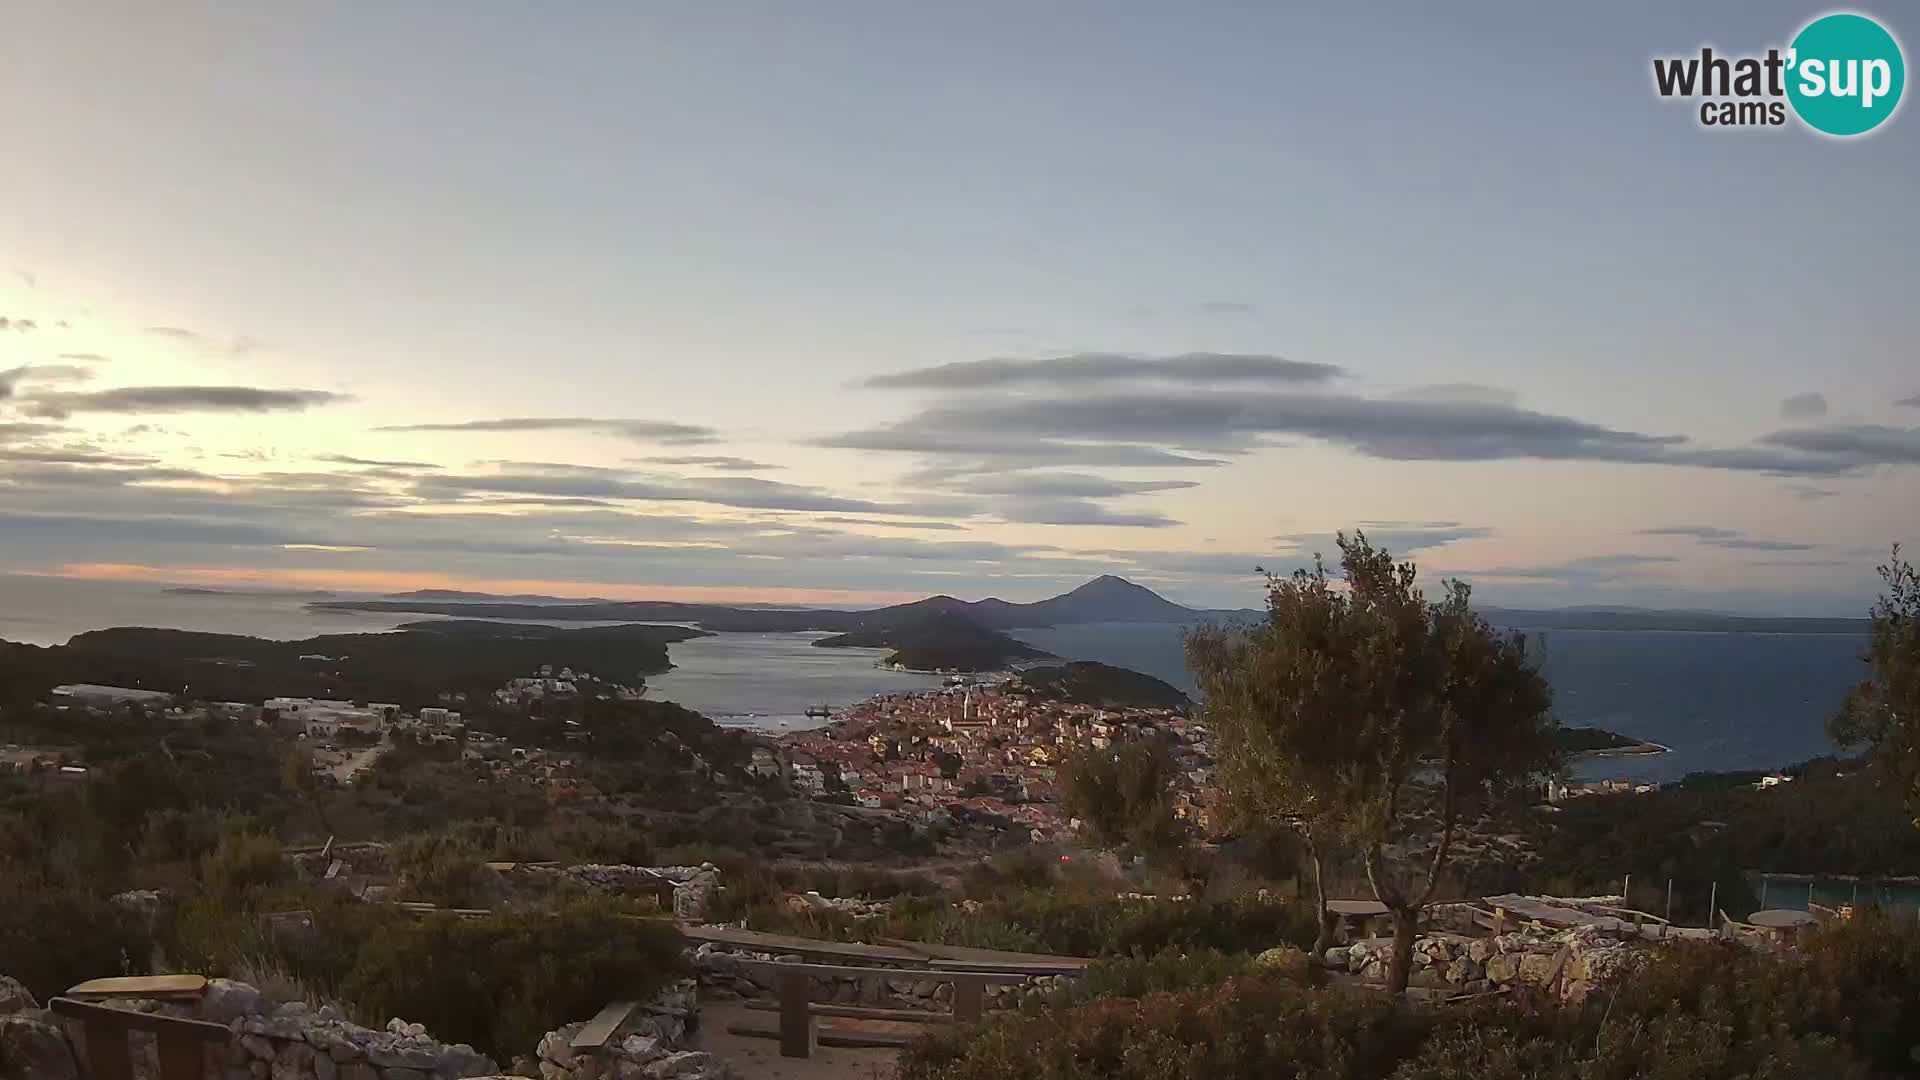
x: 386, y: 581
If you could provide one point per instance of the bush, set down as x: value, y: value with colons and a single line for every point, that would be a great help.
x: 52, y: 937
x: 502, y: 982
x: 1844, y: 1005
x: 1048, y: 921
x: 1246, y: 1027
x: 1163, y: 972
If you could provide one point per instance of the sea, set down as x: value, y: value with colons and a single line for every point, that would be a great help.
x: 1717, y: 701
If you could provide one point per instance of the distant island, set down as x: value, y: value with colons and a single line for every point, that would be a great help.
x: 410, y: 667
x: 941, y: 641
x: 295, y: 594
x: 1598, y: 742
x: 1088, y: 682
x: 1105, y: 599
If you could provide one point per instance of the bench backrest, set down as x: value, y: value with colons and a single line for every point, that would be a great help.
x: 183, y: 1043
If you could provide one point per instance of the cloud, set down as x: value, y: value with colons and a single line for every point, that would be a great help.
x: 13, y: 377
x: 1395, y: 429
x: 1083, y: 369
x: 1804, y: 406
x: 1848, y: 447
x: 374, y: 463
x: 713, y: 461
x: 739, y: 491
x: 86, y: 357
x: 1399, y: 430
x: 1732, y: 539
x: 1457, y: 393
x: 834, y: 519
x: 1911, y: 403
x: 1078, y: 512
x: 1011, y: 451
x: 237, y: 346
x: 1590, y: 570
x: 653, y: 430
x: 19, y: 326
x: 170, y: 399
x: 1399, y: 537
x: 1808, y: 493
x: 1063, y: 485
x: 1227, y: 307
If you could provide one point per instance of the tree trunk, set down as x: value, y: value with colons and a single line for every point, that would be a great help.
x: 1406, y: 922
x: 1323, y: 919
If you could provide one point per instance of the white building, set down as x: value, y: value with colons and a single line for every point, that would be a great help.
x: 91, y: 694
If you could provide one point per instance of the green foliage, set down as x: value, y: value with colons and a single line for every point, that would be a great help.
x: 1883, y: 713
x: 1832, y: 819
x: 1046, y: 920
x: 1161, y: 972
x: 442, y: 870
x: 243, y: 862
x: 1244, y: 1028
x: 1843, y: 1005
x: 500, y: 983
x: 1120, y: 795
x: 1345, y: 702
x: 53, y: 936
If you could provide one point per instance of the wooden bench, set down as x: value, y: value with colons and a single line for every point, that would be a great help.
x: 799, y: 1035
x: 599, y: 1030
x: 183, y: 1043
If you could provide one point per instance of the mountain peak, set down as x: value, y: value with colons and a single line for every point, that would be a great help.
x: 1109, y: 583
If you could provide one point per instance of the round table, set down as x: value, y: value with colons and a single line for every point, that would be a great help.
x: 1781, y: 919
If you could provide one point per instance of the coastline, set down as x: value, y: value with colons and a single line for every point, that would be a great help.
x: 1639, y: 749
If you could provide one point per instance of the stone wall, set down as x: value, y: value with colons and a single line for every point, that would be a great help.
x: 1523, y: 958
x: 296, y: 1042
x: 723, y: 977
x: 694, y: 887
x: 290, y: 1042
x: 649, y: 1045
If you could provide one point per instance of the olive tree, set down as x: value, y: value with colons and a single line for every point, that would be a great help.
x: 1365, y: 714
x: 1883, y: 712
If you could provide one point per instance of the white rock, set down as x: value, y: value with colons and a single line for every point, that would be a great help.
x: 685, y: 1063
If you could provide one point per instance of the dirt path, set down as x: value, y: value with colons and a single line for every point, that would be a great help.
x: 759, y: 1059
x: 358, y: 761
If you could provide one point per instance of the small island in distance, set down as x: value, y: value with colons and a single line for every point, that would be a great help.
x: 298, y: 594
x: 943, y: 641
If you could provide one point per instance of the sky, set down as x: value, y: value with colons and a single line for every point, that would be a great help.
x: 859, y: 301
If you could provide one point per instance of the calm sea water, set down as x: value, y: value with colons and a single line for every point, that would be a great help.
x: 767, y: 681
x: 1718, y: 701
x: 764, y: 681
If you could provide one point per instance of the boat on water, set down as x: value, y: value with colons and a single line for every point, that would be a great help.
x: 818, y: 710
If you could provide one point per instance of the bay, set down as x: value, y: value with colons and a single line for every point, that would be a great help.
x: 1717, y: 701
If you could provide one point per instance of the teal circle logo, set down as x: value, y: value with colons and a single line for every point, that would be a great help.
x: 1845, y: 74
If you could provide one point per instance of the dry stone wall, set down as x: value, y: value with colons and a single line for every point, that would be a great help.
x: 1478, y: 964
x: 724, y: 976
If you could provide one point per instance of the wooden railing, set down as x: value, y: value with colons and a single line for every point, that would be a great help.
x: 183, y: 1043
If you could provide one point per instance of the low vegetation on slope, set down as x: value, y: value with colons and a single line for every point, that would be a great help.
x: 1845, y: 1005
x: 940, y: 642
x: 1088, y: 682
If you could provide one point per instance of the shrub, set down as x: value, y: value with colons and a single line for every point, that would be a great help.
x: 52, y: 937
x: 1246, y: 1027
x: 502, y: 982
x: 243, y: 862
x: 1163, y: 972
x: 1843, y: 1005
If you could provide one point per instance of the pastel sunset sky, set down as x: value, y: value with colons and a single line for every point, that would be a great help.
x: 846, y: 301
